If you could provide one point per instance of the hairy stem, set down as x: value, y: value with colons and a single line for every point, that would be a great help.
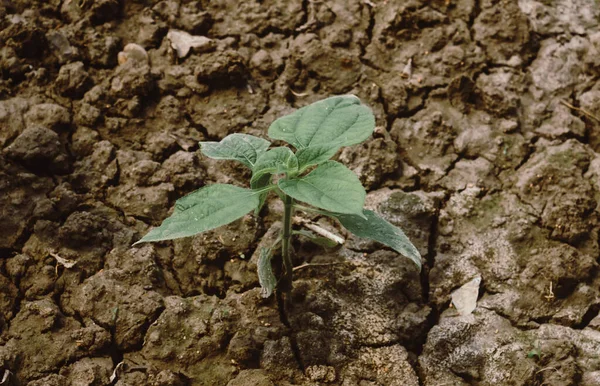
x: 286, y: 282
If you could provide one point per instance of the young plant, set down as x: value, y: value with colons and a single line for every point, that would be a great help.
x: 317, y: 132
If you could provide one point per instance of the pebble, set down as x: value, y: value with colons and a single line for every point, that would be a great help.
x: 133, y: 52
x: 61, y: 46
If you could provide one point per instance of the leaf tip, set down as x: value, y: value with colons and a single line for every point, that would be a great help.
x: 419, y: 266
x: 415, y: 257
x: 140, y: 241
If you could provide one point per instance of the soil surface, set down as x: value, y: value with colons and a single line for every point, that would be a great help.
x: 486, y: 151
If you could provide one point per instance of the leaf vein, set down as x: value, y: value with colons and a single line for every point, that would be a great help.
x: 329, y: 112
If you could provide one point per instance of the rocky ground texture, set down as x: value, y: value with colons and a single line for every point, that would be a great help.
x: 486, y: 151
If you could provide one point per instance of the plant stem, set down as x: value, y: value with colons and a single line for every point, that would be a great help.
x: 286, y: 283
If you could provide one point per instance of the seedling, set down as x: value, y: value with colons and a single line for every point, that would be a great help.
x: 307, y: 176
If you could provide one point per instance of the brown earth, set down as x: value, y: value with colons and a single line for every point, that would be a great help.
x: 485, y: 153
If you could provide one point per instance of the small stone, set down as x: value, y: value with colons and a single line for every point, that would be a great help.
x: 219, y: 68
x: 73, y: 81
x: 93, y: 370
x: 132, y: 78
x: 277, y: 354
x: 97, y: 170
x: 167, y: 9
x: 28, y: 41
x: 102, y: 50
x: 498, y: 92
x: 133, y: 52
x: 192, y: 18
x: 87, y: 115
x: 169, y: 378
x: 40, y: 149
x: 242, y: 348
x: 562, y: 123
x: 103, y: 11
x: 61, y: 47
x: 321, y: 373
x: 49, y: 115
x: 254, y: 377
x: 11, y: 118
x: 83, y: 141
x: 262, y: 61
x: 150, y: 30
x: 590, y: 101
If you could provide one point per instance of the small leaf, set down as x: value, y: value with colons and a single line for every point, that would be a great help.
x: 262, y: 182
x: 331, y: 186
x: 205, y: 209
x: 374, y: 227
x: 337, y: 121
x: 275, y: 161
x: 266, y: 278
x: 315, y: 155
x: 239, y: 147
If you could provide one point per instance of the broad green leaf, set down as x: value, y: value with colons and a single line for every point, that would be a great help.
x: 239, y: 147
x: 256, y: 184
x: 275, y: 161
x: 376, y: 228
x: 266, y: 278
x: 331, y: 186
x: 337, y: 121
x: 319, y: 240
x: 205, y: 209
x: 314, y: 155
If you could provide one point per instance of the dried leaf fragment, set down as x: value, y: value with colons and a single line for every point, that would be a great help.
x: 182, y: 42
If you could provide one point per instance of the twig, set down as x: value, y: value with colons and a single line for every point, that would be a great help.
x: 308, y: 265
x: 407, y: 71
x: 550, y: 296
x: 584, y: 111
x: 116, y: 372
x: 298, y: 94
x: 310, y: 20
x: 320, y: 231
x: 546, y: 369
x: 62, y: 261
x: 5, y: 377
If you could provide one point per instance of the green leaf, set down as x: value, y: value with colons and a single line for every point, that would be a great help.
x: 337, y: 121
x: 256, y: 184
x: 266, y: 278
x: 205, y: 209
x: 331, y: 186
x: 314, y: 155
x: 377, y: 228
x: 319, y: 240
x: 239, y: 147
x: 275, y: 161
